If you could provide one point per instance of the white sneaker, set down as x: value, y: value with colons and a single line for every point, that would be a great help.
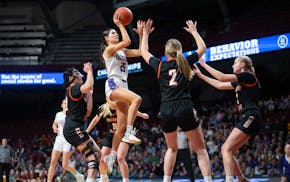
x: 110, y: 160
x: 106, y: 179
x: 130, y: 137
x: 80, y: 177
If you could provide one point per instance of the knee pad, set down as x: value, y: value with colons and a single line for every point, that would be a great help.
x: 88, y: 151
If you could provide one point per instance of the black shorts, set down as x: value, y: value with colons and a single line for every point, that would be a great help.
x: 74, y: 133
x: 250, y: 122
x: 178, y: 113
x: 108, y: 140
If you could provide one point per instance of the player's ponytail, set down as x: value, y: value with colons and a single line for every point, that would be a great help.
x: 105, y: 110
x: 184, y: 66
x: 173, y: 49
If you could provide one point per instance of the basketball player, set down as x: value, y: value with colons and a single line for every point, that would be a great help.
x: 108, y: 111
x: 176, y: 107
x: 247, y: 88
x: 61, y: 146
x: 73, y: 129
x: 114, y: 54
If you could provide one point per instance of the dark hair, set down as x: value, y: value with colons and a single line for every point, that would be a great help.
x: 103, y: 46
x: 66, y: 75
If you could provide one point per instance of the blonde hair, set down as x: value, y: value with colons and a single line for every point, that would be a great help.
x: 173, y: 48
x: 248, y: 62
x: 105, y: 110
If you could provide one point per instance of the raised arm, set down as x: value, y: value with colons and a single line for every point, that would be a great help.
x: 89, y: 104
x: 89, y: 84
x: 125, y: 42
x: 213, y: 82
x: 191, y: 28
x: 147, y: 29
x: 218, y: 74
x: 139, y: 31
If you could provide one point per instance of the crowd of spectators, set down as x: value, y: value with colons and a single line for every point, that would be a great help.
x: 260, y: 157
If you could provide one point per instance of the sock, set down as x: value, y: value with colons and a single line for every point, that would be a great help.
x: 207, y: 179
x: 129, y: 128
x: 114, y: 153
x: 90, y: 180
x: 166, y: 178
x: 125, y: 179
x: 104, y: 177
x: 229, y: 179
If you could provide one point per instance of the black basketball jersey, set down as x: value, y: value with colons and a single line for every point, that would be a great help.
x: 173, y: 84
x: 247, y: 91
x: 111, y: 120
x: 76, y: 103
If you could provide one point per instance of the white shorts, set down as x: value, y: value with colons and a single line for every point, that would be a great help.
x: 112, y: 84
x: 61, y: 144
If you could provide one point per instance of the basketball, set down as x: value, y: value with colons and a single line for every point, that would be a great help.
x: 126, y: 15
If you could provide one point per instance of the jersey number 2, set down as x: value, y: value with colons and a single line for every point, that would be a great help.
x: 172, y: 73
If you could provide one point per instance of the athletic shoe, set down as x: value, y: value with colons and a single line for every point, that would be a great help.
x: 130, y: 137
x: 106, y: 179
x: 80, y: 177
x: 110, y: 160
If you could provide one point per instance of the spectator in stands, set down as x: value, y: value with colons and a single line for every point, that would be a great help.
x: 114, y: 55
x: 73, y: 130
x: 247, y: 89
x: 6, y: 153
x: 61, y: 146
x: 108, y: 111
x: 176, y: 107
x: 284, y: 164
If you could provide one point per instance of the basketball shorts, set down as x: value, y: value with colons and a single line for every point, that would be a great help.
x: 108, y: 140
x: 61, y: 145
x: 250, y: 122
x: 74, y: 133
x: 112, y: 84
x: 178, y: 113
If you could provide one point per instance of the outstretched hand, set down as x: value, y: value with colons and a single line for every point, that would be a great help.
x: 116, y: 19
x: 139, y: 28
x: 87, y: 67
x: 191, y: 26
x: 147, y: 29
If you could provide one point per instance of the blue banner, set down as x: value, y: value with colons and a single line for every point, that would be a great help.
x: 132, y: 68
x: 245, y: 47
x: 54, y: 78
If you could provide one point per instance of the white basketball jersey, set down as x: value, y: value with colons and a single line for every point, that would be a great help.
x: 117, y: 66
x: 60, y: 120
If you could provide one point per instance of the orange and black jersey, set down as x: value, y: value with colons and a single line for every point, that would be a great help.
x: 173, y: 85
x: 111, y: 120
x: 247, y: 91
x: 76, y: 103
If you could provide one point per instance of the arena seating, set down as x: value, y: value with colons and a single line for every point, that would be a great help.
x: 21, y: 41
x: 77, y: 47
